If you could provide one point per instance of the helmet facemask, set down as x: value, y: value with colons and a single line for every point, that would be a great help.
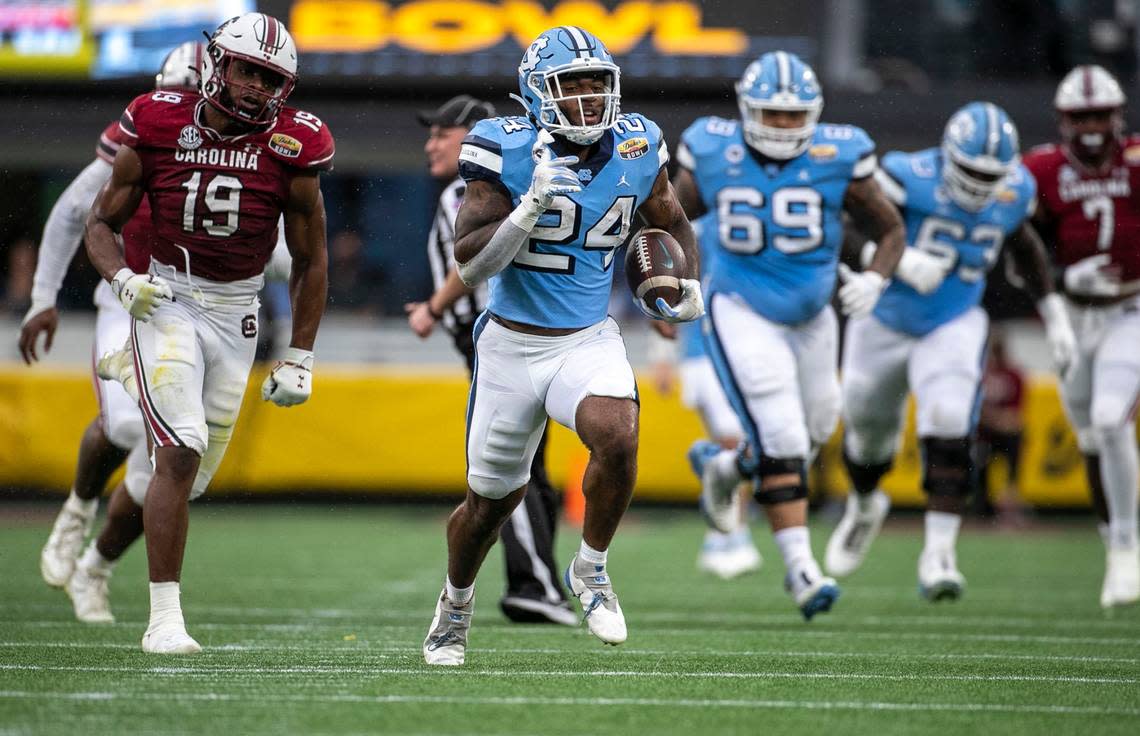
x: 578, y: 85
x: 773, y: 141
x: 972, y: 182
x: 1089, y: 133
x: 230, y: 89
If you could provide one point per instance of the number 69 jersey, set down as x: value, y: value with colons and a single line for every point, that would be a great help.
x: 219, y: 197
x: 778, y: 226
x: 935, y: 224
x: 563, y: 277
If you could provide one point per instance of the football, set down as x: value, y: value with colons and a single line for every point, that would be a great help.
x: 654, y: 267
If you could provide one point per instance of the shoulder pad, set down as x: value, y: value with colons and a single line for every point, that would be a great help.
x: 489, y: 142
x: 640, y: 134
x: 302, y: 140
x: 156, y: 116
x: 706, y: 136
x: 1020, y: 191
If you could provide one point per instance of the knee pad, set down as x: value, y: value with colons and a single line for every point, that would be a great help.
x: 948, y: 466
x: 770, y: 466
x: 865, y: 477
x: 822, y: 418
x: 949, y: 416
x: 1088, y: 440
x: 140, y: 469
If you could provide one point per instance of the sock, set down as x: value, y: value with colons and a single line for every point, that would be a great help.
x: 166, y: 605
x: 795, y: 546
x: 586, y: 553
x: 1102, y: 530
x: 1120, y: 472
x: 91, y: 559
x: 82, y: 506
x: 941, y: 531
x: 459, y: 596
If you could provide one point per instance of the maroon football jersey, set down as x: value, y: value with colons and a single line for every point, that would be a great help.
x: 1086, y: 213
x: 137, y: 232
x: 219, y: 197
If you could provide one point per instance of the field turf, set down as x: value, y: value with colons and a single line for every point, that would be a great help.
x: 312, y: 620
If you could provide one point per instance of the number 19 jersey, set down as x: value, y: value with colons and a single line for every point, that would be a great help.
x: 778, y: 226
x: 218, y: 197
x: 563, y: 276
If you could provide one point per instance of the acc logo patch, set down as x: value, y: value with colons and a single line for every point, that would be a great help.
x: 1007, y: 196
x: 633, y: 148
x: 286, y: 145
x: 734, y: 154
x: 823, y: 151
x: 1132, y: 155
x: 190, y: 138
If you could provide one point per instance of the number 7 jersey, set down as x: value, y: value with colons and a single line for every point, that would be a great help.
x: 219, y: 197
x: 563, y: 276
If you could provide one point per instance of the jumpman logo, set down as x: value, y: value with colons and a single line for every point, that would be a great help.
x: 622, y: 181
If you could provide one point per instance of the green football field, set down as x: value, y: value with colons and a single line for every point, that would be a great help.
x: 312, y: 620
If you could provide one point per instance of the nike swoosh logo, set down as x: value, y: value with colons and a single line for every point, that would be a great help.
x: 668, y: 262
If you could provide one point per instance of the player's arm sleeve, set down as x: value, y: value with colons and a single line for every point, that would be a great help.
x: 481, y: 155
x: 63, y: 232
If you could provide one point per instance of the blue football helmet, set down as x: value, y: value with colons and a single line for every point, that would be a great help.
x: 979, y: 150
x: 558, y: 54
x: 778, y: 81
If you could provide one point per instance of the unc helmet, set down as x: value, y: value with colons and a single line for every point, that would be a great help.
x: 979, y: 150
x: 182, y: 67
x: 1088, y: 89
x: 557, y: 54
x: 778, y: 81
x: 258, y: 39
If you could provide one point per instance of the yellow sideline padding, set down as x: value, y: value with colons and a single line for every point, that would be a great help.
x: 383, y: 430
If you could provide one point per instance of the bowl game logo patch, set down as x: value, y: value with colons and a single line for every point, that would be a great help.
x: 286, y: 145
x: 823, y: 151
x: 633, y: 148
x: 1132, y: 155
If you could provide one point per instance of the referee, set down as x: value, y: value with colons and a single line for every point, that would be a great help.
x: 534, y: 594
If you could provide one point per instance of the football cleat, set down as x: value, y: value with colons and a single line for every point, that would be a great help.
x: 591, y: 585
x: 170, y: 638
x: 57, y: 559
x: 89, y: 592
x: 728, y: 555
x: 812, y: 591
x: 446, y: 642
x: 718, y: 496
x: 1121, y: 577
x: 119, y: 365
x: 524, y: 610
x: 852, y: 538
x: 938, y: 576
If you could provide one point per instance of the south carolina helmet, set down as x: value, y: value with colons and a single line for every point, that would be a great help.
x: 778, y: 81
x: 558, y: 53
x: 258, y: 39
x: 1089, y: 88
x: 182, y: 67
x: 979, y: 150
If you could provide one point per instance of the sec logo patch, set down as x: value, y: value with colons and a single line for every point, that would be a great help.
x: 633, y: 148
x: 286, y: 145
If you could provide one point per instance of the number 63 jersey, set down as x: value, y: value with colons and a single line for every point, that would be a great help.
x: 563, y: 276
x: 778, y: 226
x: 970, y: 241
x: 219, y: 197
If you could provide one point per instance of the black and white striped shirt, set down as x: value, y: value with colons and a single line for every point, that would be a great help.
x: 441, y: 256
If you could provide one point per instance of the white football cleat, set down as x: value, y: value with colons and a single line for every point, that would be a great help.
x: 1121, y: 577
x: 57, y: 560
x: 88, y: 590
x: 812, y: 591
x: 590, y: 584
x: 727, y: 556
x: 446, y: 642
x: 718, y: 496
x: 851, y: 540
x: 119, y: 365
x: 938, y: 576
x: 169, y: 639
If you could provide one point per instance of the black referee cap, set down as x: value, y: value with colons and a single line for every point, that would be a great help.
x: 460, y: 111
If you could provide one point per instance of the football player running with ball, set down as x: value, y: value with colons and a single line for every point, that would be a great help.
x: 961, y: 202
x: 1087, y: 209
x: 550, y: 197
x: 219, y: 170
x: 776, y: 183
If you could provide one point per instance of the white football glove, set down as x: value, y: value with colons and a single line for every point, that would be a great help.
x: 1059, y: 334
x: 140, y: 293
x: 860, y: 291
x: 1094, y: 276
x: 921, y: 270
x: 691, y: 306
x: 291, y: 380
x: 552, y: 177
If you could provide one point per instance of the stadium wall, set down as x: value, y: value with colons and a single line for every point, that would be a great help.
x: 401, y: 431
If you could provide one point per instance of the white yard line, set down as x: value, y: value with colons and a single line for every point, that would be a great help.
x: 658, y: 703
x: 334, y: 669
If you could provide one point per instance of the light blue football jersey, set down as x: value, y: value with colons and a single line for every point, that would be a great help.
x: 689, y: 333
x: 936, y: 224
x: 563, y: 277
x: 778, y: 227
